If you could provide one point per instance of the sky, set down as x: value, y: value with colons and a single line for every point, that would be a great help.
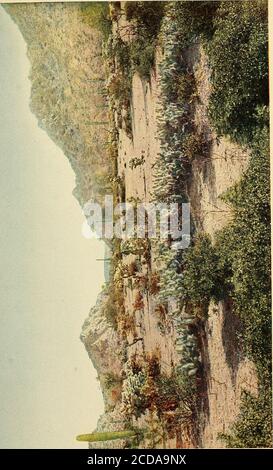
x: 49, y: 276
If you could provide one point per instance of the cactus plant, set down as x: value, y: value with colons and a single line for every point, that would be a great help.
x: 106, y: 436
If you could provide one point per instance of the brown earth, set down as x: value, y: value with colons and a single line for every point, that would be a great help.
x: 226, y: 371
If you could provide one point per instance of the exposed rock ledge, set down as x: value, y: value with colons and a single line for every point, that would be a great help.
x: 103, y: 347
x: 105, y: 351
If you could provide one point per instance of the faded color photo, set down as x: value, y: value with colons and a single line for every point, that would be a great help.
x: 135, y: 236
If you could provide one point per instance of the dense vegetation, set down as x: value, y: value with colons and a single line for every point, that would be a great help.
x: 240, y: 88
x: 238, y: 266
x: 241, y: 93
x: 241, y: 85
x: 253, y: 427
x: 145, y: 20
x: 97, y: 15
x: 245, y: 249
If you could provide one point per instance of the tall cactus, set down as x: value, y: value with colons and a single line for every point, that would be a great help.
x: 106, y: 436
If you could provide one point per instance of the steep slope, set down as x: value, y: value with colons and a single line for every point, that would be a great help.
x: 67, y: 93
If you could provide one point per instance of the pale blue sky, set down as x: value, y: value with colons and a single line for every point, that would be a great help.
x: 49, y: 275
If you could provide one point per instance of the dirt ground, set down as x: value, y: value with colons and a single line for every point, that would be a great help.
x: 227, y: 372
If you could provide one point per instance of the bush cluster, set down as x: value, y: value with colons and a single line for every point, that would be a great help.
x: 96, y: 14
x: 238, y: 56
x: 253, y: 426
x: 244, y: 247
x: 145, y: 20
x: 202, y: 272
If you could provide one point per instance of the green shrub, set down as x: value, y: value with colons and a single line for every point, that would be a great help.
x: 186, y: 87
x: 120, y: 88
x: 142, y: 52
x: 111, y: 311
x: 194, y: 146
x: 238, y: 56
x: 96, y: 14
x: 112, y: 380
x: 202, y: 277
x: 253, y: 426
x: 122, y: 54
x: 135, y: 388
x: 196, y: 19
x: 136, y: 161
x: 146, y: 15
x: 234, y: 29
x: 145, y: 19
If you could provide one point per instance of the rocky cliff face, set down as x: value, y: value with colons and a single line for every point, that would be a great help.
x: 104, y: 348
x: 67, y: 83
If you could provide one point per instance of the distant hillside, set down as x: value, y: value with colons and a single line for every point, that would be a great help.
x: 67, y: 78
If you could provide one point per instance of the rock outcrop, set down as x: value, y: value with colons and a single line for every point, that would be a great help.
x: 104, y: 349
x: 67, y: 87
